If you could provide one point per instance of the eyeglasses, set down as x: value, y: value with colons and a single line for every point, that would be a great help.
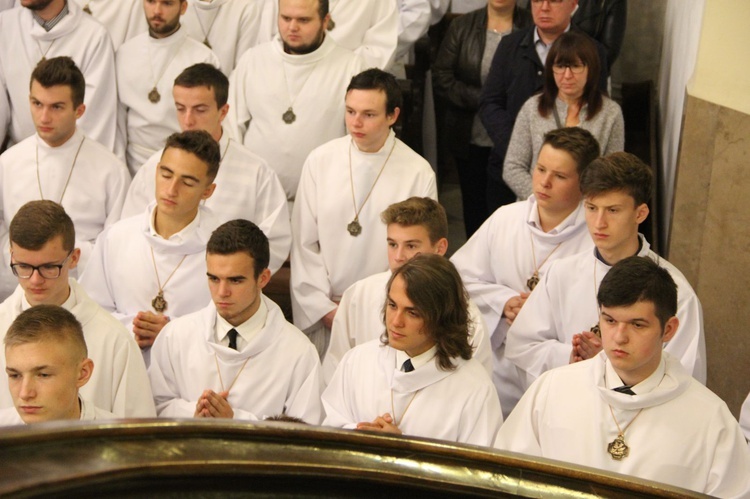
x: 47, y: 271
x: 537, y: 2
x: 576, y: 69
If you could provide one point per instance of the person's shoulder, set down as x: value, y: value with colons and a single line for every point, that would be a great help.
x: 335, y: 147
x: 517, y: 37
x: 133, y: 44
x: 104, y: 157
x: 254, y: 54
x: 89, y: 29
x: 241, y: 156
x: 191, y: 325
x: 19, y: 151
x: 127, y: 229
x: 364, y: 351
x: 409, y: 155
x: 679, y: 278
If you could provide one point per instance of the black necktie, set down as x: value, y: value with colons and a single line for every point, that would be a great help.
x: 624, y: 389
x: 407, y: 366
x: 232, y: 338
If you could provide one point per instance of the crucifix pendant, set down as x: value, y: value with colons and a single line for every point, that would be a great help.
x: 206, y: 43
x: 289, y: 117
x: 154, y: 96
x: 354, y: 228
x: 159, y: 303
x: 617, y: 448
x: 533, y: 281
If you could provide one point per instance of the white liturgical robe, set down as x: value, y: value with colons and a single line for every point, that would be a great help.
x: 277, y: 372
x: 497, y: 261
x: 326, y: 258
x: 459, y: 405
x: 23, y: 43
x: 123, y: 19
x: 359, y: 319
x: 564, y: 303
x: 684, y: 435
x: 122, y: 272
x: 368, y: 27
x: 119, y: 382
x: 230, y: 27
x: 745, y: 418
x: 267, y: 82
x: 91, y: 188
x: 246, y: 187
x: 89, y: 412
x: 146, y: 124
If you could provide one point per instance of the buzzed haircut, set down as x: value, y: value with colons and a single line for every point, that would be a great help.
x: 205, y: 75
x: 436, y: 290
x: 243, y: 236
x: 425, y: 212
x: 377, y: 79
x: 579, y: 143
x: 202, y: 145
x: 639, y: 279
x: 38, y: 222
x: 61, y: 71
x: 619, y: 171
x: 44, y: 323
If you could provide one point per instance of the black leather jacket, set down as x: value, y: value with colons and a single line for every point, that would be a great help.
x: 604, y: 21
x: 456, y: 72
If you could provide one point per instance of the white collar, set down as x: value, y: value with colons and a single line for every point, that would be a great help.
x: 418, y: 361
x: 245, y: 331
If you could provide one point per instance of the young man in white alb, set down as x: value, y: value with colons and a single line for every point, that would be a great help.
x: 238, y: 357
x: 47, y: 363
x: 345, y: 185
x: 228, y: 27
x: 419, y: 378
x: 149, y: 268
x: 146, y: 67
x: 416, y: 225
x: 44, y: 29
x: 285, y: 95
x: 43, y: 254
x: 556, y: 326
x: 246, y: 187
x: 633, y: 408
x: 513, y: 249
x: 60, y: 162
x: 123, y: 19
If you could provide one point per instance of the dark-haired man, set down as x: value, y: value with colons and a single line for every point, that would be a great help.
x: 146, y: 67
x: 60, y: 162
x: 557, y: 324
x: 514, y: 248
x: 47, y: 363
x: 633, y: 408
x: 44, y: 29
x: 337, y: 238
x: 149, y: 267
x: 246, y: 187
x: 285, y: 95
x: 237, y: 357
x: 43, y: 255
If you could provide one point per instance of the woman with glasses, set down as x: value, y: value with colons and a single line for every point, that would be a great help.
x: 571, y: 96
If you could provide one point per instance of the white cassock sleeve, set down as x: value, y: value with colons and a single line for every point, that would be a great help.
x: 238, y: 118
x: 474, y: 262
x: 96, y: 281
x: 533, y: 343
x: 413, y: 23
x: 133, y: 397
x: 379, y: 43
x: 313, y: 281
x: 520, y: 432
x: 100, y: 119
x: 336, y: 401
x: 272, y: 217
x: 343, y: 324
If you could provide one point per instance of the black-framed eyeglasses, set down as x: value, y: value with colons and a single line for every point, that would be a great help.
x: 576, y: 69
x: 47, y: 271
x: 550, y: 1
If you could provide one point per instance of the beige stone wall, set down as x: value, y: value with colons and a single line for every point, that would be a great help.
x: 710, y: 240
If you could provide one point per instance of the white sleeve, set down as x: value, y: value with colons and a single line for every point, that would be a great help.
x: 272, y: 217
x: 164, y: 383
x: 132, y: 393
x: 100, y: 119
x: 335, y: 398
x: 304, y: 397
x: 533, y: 342
x: 413, y: 23
x: 341, y: 337
x: 378, y: 47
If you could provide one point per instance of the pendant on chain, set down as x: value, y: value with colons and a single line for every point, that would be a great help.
x: 206, y: 43
x: 618, y: 449
x: 533, y: 281
x: 595, y: 329
x: 154, y: 95
x: 289, y: 117
x: 159, y: 303
x: 354, y: 228
x: 86, y: 9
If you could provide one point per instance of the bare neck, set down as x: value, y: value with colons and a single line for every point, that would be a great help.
x: 167, y: 226
x: 551, y: 219
x: 500, y: 18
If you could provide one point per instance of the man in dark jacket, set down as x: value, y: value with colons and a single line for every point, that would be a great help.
x: 516, y: 74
